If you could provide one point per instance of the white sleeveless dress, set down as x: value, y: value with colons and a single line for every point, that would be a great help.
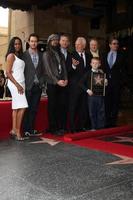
x: 18, y: 100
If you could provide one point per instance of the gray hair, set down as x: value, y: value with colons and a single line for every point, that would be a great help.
x: 81, y: 40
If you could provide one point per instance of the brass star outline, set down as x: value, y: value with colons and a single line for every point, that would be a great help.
x: 123, y: 139
x: 46, y: 140
x: 98, y: 80
x: 125, y: 160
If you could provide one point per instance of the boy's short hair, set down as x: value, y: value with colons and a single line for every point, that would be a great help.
x: 96, y: 58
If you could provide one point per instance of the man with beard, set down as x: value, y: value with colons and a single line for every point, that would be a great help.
x: 55, y: 75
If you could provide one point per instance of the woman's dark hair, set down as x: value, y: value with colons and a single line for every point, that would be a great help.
x: 2, y: 72
x: 11, y: 48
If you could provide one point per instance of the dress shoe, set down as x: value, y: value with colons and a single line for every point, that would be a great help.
x: 32, y: 133
x: 57, y: 133
x: 72, y: 131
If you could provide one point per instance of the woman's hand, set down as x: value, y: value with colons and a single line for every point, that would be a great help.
x: 19, y: 88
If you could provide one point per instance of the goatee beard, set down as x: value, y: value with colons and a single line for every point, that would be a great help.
x: 56, y: 48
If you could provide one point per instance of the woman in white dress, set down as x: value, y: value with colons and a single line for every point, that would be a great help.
x: 16, y: 84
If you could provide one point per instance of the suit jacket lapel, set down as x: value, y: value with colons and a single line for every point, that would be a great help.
x: 39, y: 60
x: 86, y: 59
x: 116, y: 60
x: 30, y: 59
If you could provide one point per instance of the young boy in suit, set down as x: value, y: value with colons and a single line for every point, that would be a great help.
x: 93, y: 82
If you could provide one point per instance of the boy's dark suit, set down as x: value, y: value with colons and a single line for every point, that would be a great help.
x: 77, y: 98
x: 95, y: 102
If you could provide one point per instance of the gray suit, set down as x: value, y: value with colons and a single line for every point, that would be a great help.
x: 30, y: 70
x: 33, y: 90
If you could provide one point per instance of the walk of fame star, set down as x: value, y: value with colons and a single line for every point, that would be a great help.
x: 123, y: 139
x: 46, y: 140
x: 124, y: 160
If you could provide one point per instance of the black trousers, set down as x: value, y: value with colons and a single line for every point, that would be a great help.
x: 112, y: 101
x: 78, y: 109
x: 33, y: 97
x: 96, y: 111
x: 57, y: 107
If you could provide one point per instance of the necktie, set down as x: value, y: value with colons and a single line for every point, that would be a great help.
x: 34, y: 60
x: 81, y: 55
x: 65, y: 54
x: 110, y: 61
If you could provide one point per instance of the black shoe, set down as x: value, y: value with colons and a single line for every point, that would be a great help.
x: 63, y: 131
x: 72, y: 131
x: 58, y: 133
x: 84, y: 129
x: 32, y: 133
x: 27, y: 134
x: 35, y: 133
x: 48, y: 130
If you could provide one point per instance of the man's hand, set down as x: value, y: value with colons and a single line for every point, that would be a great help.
x: 65, y: 82
x: 75, y: 62
x: 106, y: 82
x: 62, y: 83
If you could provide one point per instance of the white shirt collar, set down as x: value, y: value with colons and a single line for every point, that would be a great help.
x: 94, y: 70
x: 63, y: 50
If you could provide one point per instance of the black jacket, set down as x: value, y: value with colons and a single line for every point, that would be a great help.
x: 77, y: 74
x: 117, y: 74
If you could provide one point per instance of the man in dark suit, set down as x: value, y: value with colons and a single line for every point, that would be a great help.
x: 77, y: 98
x: 33, y: 83
x: 64, y: 42
x: 115, y: 69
